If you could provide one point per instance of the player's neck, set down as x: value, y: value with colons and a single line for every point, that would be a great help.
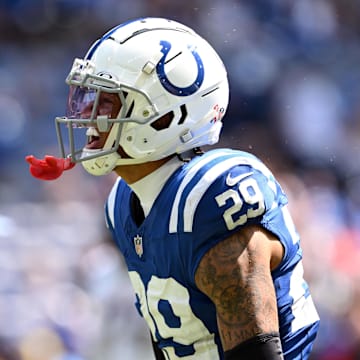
x: 133, y: 173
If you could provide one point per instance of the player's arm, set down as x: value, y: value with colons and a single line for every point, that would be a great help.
x: 236, y: 275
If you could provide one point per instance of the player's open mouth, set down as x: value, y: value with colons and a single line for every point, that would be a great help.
x: 94, y: 139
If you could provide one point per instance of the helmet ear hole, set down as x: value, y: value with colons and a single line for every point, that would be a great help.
x: 163, y: 122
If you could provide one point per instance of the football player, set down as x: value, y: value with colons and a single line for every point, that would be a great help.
x: 212, y: 253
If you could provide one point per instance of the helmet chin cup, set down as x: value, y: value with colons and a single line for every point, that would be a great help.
x: 101, y: 165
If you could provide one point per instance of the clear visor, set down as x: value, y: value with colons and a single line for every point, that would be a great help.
x: 89, y: 104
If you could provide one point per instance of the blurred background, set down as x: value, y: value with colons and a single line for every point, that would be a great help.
x: 294, y: 70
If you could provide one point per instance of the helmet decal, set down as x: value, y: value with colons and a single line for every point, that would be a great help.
x: 171, y: 88
x: 106, y: 36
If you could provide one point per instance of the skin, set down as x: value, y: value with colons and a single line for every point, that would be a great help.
x: 133, y: 173
x: 235, y: 274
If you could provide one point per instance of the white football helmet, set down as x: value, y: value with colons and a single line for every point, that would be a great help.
x: 156, y: 67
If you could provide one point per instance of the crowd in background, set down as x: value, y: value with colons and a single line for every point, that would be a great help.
x: 294, y: 71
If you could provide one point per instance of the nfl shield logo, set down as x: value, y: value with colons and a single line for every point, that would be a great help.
x: 138, y: 245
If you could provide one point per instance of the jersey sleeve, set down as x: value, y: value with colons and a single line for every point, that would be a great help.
x: 225, y: 200
x: 238, y: 197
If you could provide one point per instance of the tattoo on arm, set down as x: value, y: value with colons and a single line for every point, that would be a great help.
x: 236, y: 275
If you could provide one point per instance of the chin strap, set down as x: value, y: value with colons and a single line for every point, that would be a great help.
x: 49, y: 168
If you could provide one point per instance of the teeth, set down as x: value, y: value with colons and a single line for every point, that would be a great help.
x: 92, y: 132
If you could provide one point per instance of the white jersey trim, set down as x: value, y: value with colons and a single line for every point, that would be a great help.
x: 174, y: 217
x: 197, y: 192
x: 195, y: 195
x: 111, y: 202
x: 303, y: 308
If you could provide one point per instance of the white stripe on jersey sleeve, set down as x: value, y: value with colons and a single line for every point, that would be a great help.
x: 200, y: 188
x: 303, y: 308
x: 111, y: 202
x: 290, y: 226
x: 197, y: 192
x: 173, y: 224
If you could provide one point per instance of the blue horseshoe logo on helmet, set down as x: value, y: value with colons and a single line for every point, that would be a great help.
x: 165, y: 82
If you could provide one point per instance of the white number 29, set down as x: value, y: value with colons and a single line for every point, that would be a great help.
x: 190, y: 330
x: 248, y: 192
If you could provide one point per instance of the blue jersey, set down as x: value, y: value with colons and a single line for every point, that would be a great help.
x: 201, y: 204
